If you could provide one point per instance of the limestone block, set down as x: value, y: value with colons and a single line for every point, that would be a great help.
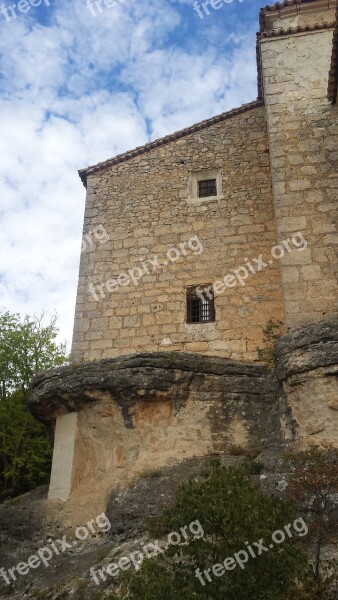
x: 63, y: 457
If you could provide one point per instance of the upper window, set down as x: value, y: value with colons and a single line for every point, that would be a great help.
x: 204, y: 186
x: 207, y: 187
x: 200, y: 304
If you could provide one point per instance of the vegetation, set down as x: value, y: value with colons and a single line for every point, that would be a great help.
x: 26, y: 347
x: 314, y: 489
x: 272, y: 332
x: 227, y: 503
x: 232, y: 512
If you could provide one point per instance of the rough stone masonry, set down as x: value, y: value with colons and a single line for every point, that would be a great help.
x: 275, y: 163
x: 149, y: 387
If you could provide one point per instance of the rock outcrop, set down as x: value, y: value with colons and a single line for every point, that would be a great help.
x: 151, y: 377
x: 119, y: 418
x: 307, y: 366
x: 143, y: 424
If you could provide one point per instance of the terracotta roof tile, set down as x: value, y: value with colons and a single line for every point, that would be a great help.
x: 268, y: 33
x: 298, y: 29
x: 276, y: 7
x: 332, y: 92
x: 167, y: 139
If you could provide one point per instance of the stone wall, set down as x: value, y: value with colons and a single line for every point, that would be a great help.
x: 303, y: 129
x: 146, y: 205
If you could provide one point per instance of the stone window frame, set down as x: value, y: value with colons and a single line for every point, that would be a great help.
x: 202, y: 175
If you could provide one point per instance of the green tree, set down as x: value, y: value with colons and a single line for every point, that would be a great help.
x: 233, y: 513
x: 26, y: 347
x: 314, y: 489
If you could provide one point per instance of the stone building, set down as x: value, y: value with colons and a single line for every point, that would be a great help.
x: 238, y: 184
x: 192, y: 243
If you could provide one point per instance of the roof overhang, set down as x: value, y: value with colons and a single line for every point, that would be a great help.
x: 290, y: 8
x: 287, y: 8
x: 83, y: 173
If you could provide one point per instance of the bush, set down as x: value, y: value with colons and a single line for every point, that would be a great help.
x: 232, y: 512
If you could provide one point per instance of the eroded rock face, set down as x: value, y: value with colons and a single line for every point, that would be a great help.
x: 119, y: 418
x: 307, y: 366
x: 129, y: 379
x: 140, y: 413
x: 30, y: 523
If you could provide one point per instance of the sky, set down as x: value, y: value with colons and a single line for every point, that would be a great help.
x: 80, y: 83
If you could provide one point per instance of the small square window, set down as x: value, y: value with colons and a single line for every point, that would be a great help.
x: 200, y: 304
x: 207, y: 187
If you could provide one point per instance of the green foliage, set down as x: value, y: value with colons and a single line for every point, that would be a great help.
x: 311, y: 590
x: 272, y: 332
x: 25, y: 449
x: 232, y: 511
x: 26, y: 347
x: 314, y: 489
x: 255, y: 467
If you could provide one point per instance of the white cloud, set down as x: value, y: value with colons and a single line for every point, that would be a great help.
x: 81, y: 89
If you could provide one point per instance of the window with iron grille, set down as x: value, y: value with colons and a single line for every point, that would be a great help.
x: 200, y: 304
x: 207, y: 187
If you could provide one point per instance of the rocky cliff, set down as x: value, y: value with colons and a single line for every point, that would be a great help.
x: 147, y: 422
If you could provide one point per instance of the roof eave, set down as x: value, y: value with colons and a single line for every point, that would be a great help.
x: 295, y: 5
x: 84, y: 173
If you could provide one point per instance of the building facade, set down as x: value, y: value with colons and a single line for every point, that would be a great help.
x: 242, y: 205
x: 191, y: 244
